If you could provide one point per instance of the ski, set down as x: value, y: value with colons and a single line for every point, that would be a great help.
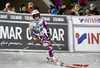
x: 77, y: 66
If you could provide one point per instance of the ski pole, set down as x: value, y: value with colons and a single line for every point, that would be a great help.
x: 18, y: 53
x: 56, y: 45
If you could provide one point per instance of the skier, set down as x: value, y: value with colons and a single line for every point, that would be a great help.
x: 39, y: 30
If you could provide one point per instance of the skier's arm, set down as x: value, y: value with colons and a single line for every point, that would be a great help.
x: 47, y: 28
x: 31, y: 30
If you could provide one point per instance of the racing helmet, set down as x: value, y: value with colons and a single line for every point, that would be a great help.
x: 35, y: 13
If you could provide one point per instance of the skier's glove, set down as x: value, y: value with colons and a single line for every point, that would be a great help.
x: 37, y: 38
x: 49, y: 35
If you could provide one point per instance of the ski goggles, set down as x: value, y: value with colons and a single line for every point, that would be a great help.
x: 36, y: 15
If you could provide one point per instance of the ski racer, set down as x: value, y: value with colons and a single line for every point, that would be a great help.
x: 39, y: 30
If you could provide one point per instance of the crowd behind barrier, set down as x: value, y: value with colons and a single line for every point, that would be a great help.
x: 60, y: 9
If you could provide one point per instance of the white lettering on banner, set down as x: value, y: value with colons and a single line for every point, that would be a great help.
x: 30, y: 43
x: 3, y: 16
x: 16, y: 17
x: 47, y: 18
x: 28, y: 18
x: 27, y: 34
x: 57, y: 34
x: 14, y: 43
x: 10, y: 32
x: 58, y: 19
x: 90, y: 20
x: 10, y: 43
x: 3, y: 43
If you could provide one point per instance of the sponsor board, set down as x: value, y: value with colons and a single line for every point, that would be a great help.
x: 87, y: 38
x: 14, y: 32
x: 86, y: 20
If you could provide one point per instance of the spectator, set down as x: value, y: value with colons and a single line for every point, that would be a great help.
x: 6, y: 7
x: 62, y: 10
x: 88, y: 12
x: 9, y: 8
x: 76, y: 10
x: 13, y: 10
x: 55, y: 10
x: 93, y: 9
x: 23, y: 9
x: 71, y: 11
x: 30, y: 7
x: 81, y: 13
x: 51, y: 7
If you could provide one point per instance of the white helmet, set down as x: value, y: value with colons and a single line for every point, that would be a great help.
x: 7, y: 4
x: 35, y: 12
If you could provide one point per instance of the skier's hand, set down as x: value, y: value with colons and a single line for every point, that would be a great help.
x: 36, y: 36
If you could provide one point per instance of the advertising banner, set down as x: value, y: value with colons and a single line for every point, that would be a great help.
x: 86, y: 20
x: 14, y: 32
x: 86, y: 38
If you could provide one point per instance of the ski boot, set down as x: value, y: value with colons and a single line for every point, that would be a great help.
x: 52, y: 60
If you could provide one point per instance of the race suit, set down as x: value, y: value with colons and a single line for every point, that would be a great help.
x: 39, y: 31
